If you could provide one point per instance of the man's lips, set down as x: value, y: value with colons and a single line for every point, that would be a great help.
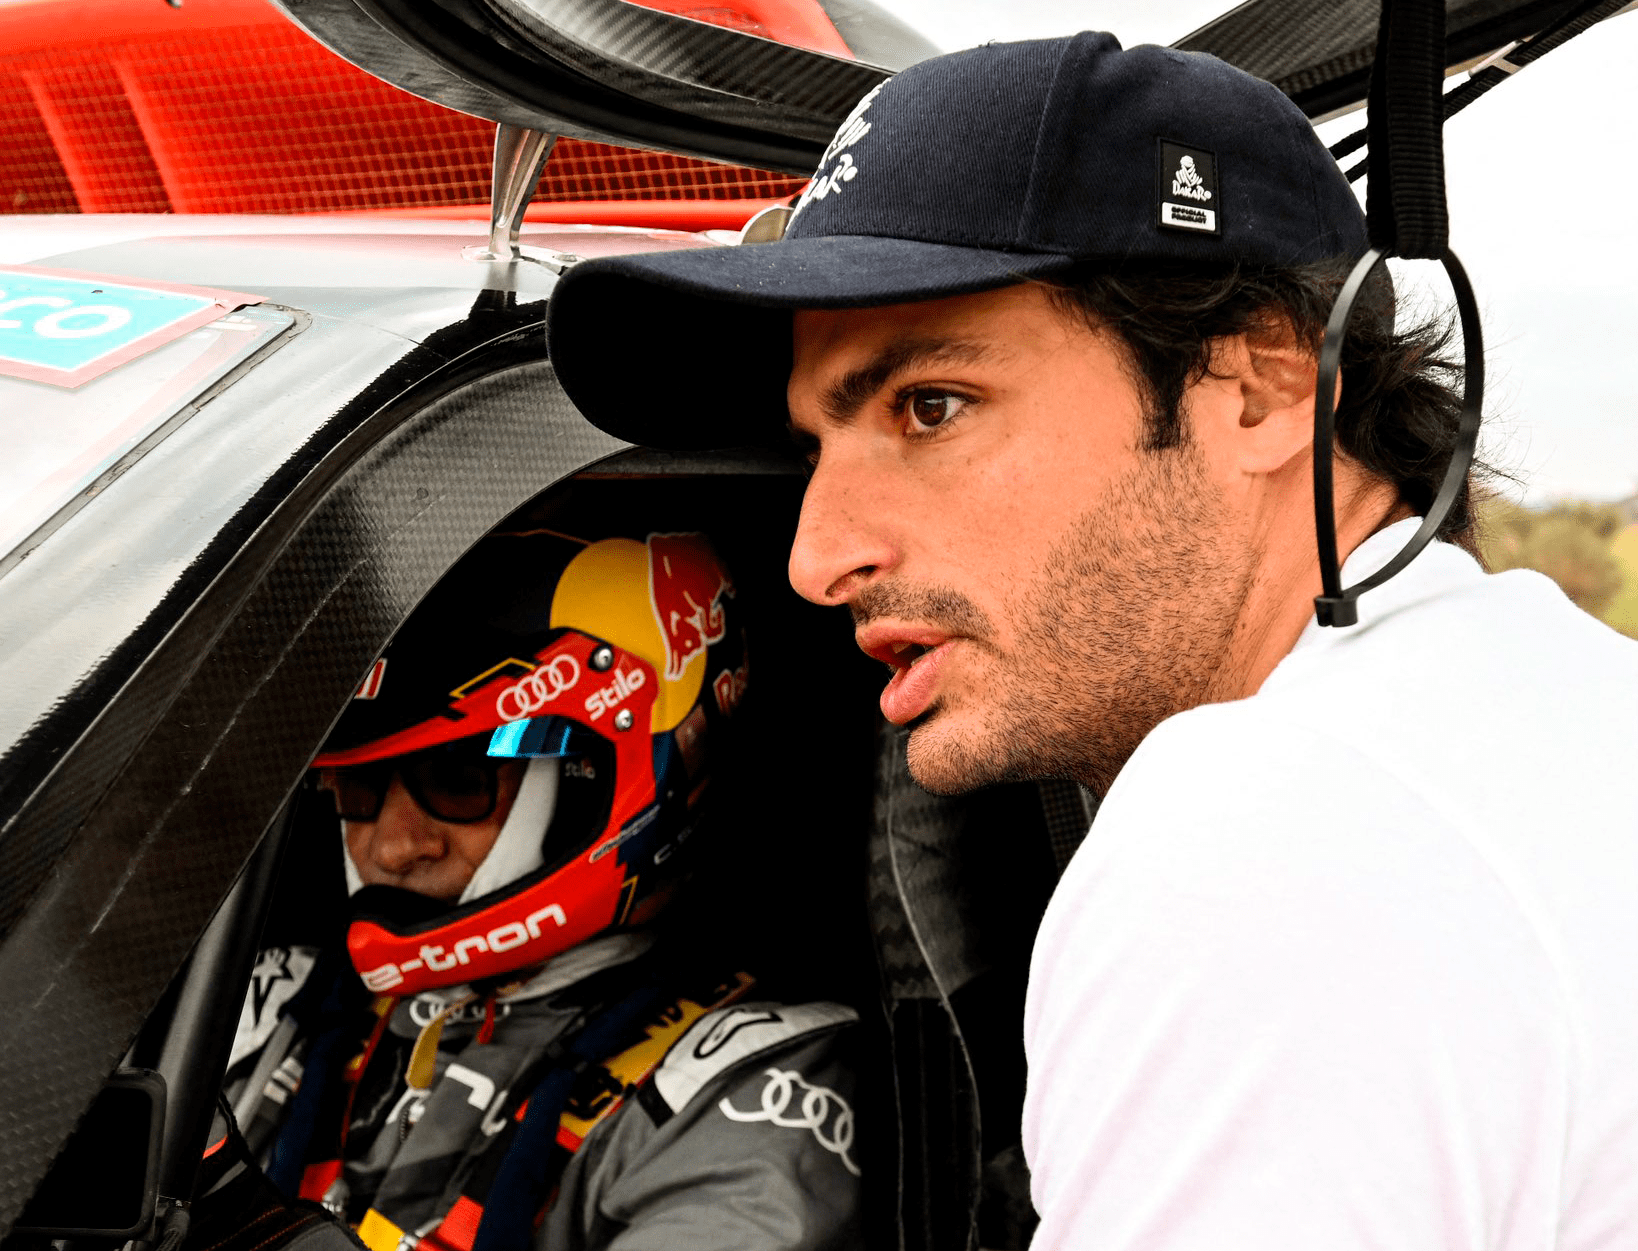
x: 915, y: 656
x: 897, y: 646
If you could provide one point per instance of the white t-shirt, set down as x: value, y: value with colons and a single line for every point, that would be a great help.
x: 1353, y: 963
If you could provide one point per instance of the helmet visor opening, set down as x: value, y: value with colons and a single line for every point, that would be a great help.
x: 585, y: 791
x: 454, y: 782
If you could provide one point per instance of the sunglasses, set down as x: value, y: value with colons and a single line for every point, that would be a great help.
x: 454, y: 783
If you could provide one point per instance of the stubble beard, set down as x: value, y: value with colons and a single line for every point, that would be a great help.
x: 1128, y: 621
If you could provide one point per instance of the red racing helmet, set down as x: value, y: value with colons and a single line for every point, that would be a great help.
x: 615, y: 670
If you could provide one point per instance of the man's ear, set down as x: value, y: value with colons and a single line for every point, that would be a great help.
x: 1265, y: 399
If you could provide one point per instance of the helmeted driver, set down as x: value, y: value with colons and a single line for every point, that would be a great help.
x: 518, y: 781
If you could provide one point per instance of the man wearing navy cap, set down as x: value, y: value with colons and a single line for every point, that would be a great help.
x: 1348, y: 961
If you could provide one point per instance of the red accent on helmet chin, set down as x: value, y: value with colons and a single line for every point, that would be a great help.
x: 517, y: 932
x: 532, y: 923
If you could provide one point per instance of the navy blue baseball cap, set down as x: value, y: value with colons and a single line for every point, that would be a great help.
x: 964, y: 173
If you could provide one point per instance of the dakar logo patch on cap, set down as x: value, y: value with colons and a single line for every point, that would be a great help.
x: 1188, y: 188
x: 828, y: 177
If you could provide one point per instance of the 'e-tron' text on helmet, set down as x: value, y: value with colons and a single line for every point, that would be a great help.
x: 621, y: 665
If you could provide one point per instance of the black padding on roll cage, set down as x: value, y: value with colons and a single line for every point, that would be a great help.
x: 1406, y: 209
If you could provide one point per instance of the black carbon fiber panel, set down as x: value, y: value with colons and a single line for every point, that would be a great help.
x: 686, y: 65
x: 1068, y: 810
x: 956, y: 890
x: 349, y: 32
x: 622, y: 73
x: 904, y: 968
x: 602, y: 70
x: 253, y: 677
x: 953, y: 859
x: 938, y: 1143
x: 136, y: 578
x: 195, y: 518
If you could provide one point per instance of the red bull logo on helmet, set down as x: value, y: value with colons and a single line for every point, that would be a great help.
x: 686, y: 586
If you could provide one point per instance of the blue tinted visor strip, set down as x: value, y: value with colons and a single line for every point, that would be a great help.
x: 538, y: 736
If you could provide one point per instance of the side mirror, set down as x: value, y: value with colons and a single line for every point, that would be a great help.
x: 105, y: 1182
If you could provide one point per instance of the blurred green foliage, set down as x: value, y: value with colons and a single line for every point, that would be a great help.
x: 1590, y: 550
x: 1623, y: 614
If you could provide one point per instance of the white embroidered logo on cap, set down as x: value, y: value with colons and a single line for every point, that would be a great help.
x: 1187, y: 181
x: 853, y: 128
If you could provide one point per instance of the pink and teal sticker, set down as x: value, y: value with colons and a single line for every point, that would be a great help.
x: 66, y: 328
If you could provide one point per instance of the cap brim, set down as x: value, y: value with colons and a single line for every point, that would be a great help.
x: 692, y: 349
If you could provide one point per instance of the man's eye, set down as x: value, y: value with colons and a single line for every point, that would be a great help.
x: 930, y: 409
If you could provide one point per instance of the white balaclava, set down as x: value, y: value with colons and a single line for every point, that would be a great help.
x: 517, y: 846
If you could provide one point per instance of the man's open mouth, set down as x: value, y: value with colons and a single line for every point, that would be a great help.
x: 905, y: 655
x: 899, y: 647
x: 916, y: 656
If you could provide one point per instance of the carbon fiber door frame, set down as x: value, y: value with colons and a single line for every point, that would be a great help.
x: 627, y: 74
x: 602, y: 70
x: 211, y: 732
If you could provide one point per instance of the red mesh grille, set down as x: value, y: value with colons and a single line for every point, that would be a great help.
x: 596, y: 171
x: 225, y: 107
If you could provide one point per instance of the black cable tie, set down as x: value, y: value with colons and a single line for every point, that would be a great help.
x: 1336, y: 605
x: 1349, y: 143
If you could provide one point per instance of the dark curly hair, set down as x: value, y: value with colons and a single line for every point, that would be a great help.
x: 1401, y: 388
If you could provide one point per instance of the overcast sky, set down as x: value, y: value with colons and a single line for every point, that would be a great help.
x: 1543, y: 187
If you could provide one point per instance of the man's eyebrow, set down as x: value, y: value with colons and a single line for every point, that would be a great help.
x: 842, y: 400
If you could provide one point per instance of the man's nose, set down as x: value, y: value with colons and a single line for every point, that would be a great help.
x: 842, y: 538
x: 405, y: 833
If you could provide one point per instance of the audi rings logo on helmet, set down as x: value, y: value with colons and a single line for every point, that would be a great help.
x: 530, y: 694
